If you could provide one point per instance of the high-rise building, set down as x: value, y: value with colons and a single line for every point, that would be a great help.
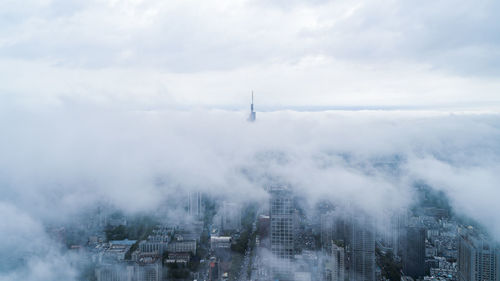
x: 334, y: 268
x: 333, y: 228
x: 252, y: 115
x: 478, y: 257
x: 361, y: 245
x: 327, y: 221
x: 389, y: 229
x: 413, y: 251
x: 195, y: 204
x: 231, y: 216
x: 282, y: 234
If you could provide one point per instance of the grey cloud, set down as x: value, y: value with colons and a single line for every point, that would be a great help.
x: 179, y: 37
x: 27, y: 252
x: 51, y: 163
x: 458, y: 37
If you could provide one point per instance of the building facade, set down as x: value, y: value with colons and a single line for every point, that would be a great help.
x: 477, y: 257
x: 282, y: 234
x: 361, y: 245
x: 195, y: 207
x: 231, y: 216
x: 334, y: 267
x: 414, y: 251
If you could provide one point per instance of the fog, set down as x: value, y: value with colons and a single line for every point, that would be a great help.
x: 55, y: 165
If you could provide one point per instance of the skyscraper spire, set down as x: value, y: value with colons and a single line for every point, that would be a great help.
x: 252, y: 116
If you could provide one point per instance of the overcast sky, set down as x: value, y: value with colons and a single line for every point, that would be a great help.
x: 152, y: 54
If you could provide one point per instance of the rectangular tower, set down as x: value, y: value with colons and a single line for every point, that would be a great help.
x: 361, y: 244
x: 282, y: 225
x: 334, y: 268
x: 414, y: 251
x: 252, y: 115
x: 195, y: 207
x: 478, y: 257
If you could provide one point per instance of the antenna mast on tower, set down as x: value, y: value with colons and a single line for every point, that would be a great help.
x: 252, y: 116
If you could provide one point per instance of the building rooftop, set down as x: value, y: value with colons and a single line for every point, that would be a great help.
x: 125, y: 242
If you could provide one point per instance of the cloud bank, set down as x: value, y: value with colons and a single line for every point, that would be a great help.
x: 56, y: 165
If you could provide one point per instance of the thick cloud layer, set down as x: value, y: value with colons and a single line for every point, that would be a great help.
x: 55, y: 165
x: 67, y: 160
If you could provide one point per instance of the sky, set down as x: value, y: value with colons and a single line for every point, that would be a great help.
x: 152, y: 54
x: 128, y: 102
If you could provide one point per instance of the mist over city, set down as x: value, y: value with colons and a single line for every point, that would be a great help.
x: 250, y: 140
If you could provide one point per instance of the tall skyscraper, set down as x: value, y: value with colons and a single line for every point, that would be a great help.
x: 282, y: 225
x: 389, y: 229
x: 327, y: 221
x: 195, y: 204
x: 231, y: 216
x: 252, y: 116
x: 478, y: 257
x: 334, y: 268
x: 333, y: 228
x: 414, y: 251
x: 361, y: 245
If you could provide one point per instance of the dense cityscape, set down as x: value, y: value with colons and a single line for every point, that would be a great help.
x: 281, y: 240
x: 282, y: 234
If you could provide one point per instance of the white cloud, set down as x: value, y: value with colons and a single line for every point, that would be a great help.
x: 368, y: 53
x: 55, y: 165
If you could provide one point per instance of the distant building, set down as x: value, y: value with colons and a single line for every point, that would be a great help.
x: 338, y: 255
x: 334, y: 267
x: 156, y: 244
x: 252, y: 115
x: 333, y: 228
x: 178, y: 258
x: 263, y: 225
x: 152, y: 247
x: 146, y: 269
x: 449, y: 271
x: 361, y: 243
x: 414, y: 251
x: 231, y: 216
x: 478, y: 257
x: 116, y: 250
x: 182, y: 246
x: 114, y: 272
x: 327, y: 228
x: 218, y: 242
x: 430, y: 251
x: 282, y: 232
x: 390, y: 233
x: 195, y: 204
x: 436, y: 212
